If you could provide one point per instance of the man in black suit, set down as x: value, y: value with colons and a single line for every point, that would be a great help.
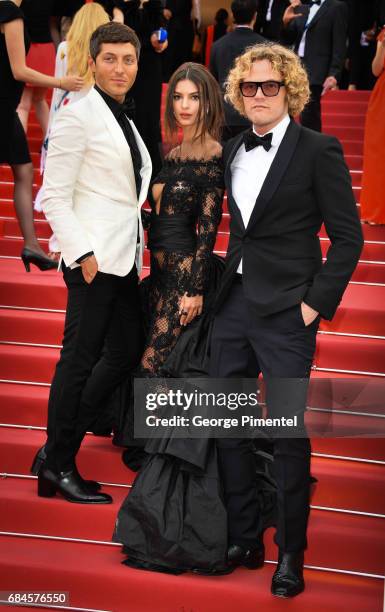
x: 318, y: 31
x: 226, y: 49
x: 362, y: 43
x: 283, y: 181
x: 269, y: 18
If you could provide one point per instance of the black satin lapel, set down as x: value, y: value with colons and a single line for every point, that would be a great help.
x: 276, y: 172
x: 232, y: 205
x: 321, y: 11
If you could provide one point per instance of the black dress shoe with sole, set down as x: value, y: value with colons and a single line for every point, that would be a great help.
x: 39, y: 461
x: 70, y: 486
x: 252, y: 558
x: 288, y: 578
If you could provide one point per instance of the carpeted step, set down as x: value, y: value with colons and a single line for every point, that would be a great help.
x: 23, y: 404
x: 28, y: 363
x: 23, y: 511
x: 34, y: 290
x: 360, y: 311
x: 335, y: 424
x: 77, y: 566
x: 31, y: 326
x: 343, y: 95
x: 343, y: 132
x: 352, y: 147
x: 372, y: 449
x: 341, y: 483
x: 372, y: 251
x: 11, y: 228
x: 356, y: 176
x: 338, y: 106
x: 344, y: 118
x: 374, y: 233
x: 350, y: 353
x: 354, y: 162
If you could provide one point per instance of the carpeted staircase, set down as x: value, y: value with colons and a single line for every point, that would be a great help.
x: 52, y: 545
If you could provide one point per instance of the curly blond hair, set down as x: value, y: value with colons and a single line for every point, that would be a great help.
x: 282, y: 60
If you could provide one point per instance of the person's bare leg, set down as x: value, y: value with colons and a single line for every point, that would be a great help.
x: 22, y: 195
x: 41, y: 107
x: 25, y: 106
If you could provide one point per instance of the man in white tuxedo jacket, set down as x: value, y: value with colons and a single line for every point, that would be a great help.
x: 95, y: 182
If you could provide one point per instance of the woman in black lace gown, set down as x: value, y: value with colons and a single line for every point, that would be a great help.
x: 174, y: 518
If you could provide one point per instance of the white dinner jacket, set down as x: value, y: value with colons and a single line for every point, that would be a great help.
x: 90, y: 197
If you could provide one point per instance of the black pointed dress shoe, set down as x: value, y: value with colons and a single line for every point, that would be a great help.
x: 252, y: 558
x: 39, y: 461
x: 288, y: 578
x: 71, y: 487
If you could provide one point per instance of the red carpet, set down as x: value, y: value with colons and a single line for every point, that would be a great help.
x: 346, y: 554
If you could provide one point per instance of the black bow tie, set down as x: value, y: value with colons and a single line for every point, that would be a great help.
x: 316, y: 2
x: 251, y: 140
x: 128, y: 108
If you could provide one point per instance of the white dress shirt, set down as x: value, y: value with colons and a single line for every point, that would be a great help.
x: 268, y: 12
x: 313, y: 11
x: 249, y: 170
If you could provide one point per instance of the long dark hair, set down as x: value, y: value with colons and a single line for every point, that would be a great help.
x: 211, y: 115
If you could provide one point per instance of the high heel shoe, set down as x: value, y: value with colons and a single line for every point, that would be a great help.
x: 41, y: 261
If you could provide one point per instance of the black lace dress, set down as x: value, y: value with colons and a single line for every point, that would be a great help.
x: 174, y: 518
x: 181, y: 239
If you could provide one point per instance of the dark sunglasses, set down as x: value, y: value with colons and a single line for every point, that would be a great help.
x: 269, y: 88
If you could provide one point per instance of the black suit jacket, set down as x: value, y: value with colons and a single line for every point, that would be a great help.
x: 308, y: 184
x: 223, y: 53
x: 270, y: 29
x: 326, y: 37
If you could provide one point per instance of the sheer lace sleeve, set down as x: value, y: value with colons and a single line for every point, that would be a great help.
x: 209, y: 218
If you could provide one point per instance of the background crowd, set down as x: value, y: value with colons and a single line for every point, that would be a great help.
x: 341, y: 44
